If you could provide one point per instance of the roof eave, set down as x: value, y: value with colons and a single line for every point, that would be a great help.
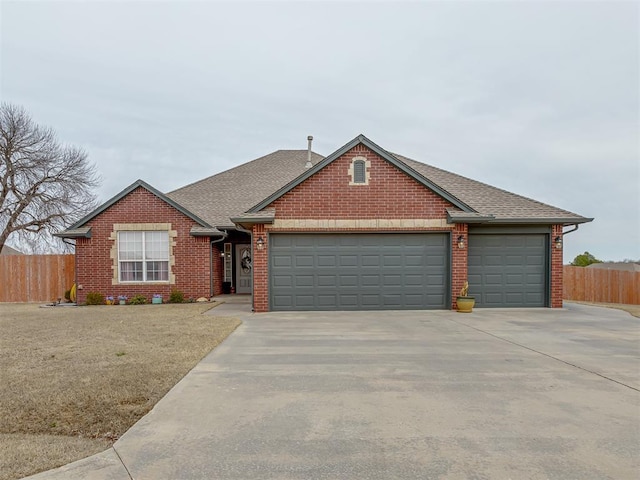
x: 542, y: 220
x: 207, y: 232
x: 69, y: 233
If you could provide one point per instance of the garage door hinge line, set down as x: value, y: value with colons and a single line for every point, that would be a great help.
x: 547, y: 355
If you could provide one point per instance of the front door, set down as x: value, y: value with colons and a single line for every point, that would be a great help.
x: 244, y: 269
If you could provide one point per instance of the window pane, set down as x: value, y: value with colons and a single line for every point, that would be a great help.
x: 156, y: 245
x: 157, y: 271
x: 130, y: 245
x: 131, y: 271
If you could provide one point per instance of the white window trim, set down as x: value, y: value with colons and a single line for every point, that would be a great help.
x: 115, y: 262
x: 367, y: 173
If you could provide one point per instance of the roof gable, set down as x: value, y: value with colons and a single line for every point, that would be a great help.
x: 137, y: 184
x: 361, y: 139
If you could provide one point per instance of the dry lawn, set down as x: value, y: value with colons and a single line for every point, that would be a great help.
x: 73, y: 379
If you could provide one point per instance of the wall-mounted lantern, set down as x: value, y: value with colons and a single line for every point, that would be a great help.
x: 461, y: 241
x: 260, y: 243
x: 558, y: 242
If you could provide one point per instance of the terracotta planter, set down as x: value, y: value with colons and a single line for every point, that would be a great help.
x: 465, y: 304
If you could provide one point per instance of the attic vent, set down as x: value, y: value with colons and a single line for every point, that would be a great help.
x: 359, y: 171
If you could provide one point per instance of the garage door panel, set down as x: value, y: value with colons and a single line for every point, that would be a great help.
x: 368, y: 260
x: 535, y: 260
x: 349, y: 300
x: 327, y: 281
x: 282, y: 261
x: 370, y: 280
x: 359, y: 271
x: 392, y: 280
x: 348, y: 260
x: 508, y: 270
x: 348, y: 280
x: 303, y: 261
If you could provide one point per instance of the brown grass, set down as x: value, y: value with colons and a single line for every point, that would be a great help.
x: 76, y: 378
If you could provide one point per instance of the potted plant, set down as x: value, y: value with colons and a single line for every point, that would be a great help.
x: 122, y: 299
x: 157, y: 298
x: 110, y: 300
x: 464, y: 301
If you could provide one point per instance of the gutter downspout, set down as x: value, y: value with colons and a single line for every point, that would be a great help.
x: 224, y: 237
x: 572, y: 230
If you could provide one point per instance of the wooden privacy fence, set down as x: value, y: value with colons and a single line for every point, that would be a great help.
x: 601, y: 285
x: 35, y: 278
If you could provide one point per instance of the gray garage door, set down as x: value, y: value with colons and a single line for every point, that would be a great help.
x: 358, y: 271
x: 508, y: 270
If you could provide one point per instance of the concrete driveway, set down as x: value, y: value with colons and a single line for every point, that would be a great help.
x: 497, y: 394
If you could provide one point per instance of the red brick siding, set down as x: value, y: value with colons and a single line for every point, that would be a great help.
x: 218, y: 268
x: 94, y: 263
x: 458, y: 261
x: 260, y: 270
x: 390, y: 194
x: 556, y: 269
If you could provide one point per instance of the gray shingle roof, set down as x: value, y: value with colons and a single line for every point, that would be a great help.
x: 231, y: 193
x: 488, y: 200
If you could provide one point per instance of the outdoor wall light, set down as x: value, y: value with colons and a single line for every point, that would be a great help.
x: 260, y: 243
x: 461, y: 241
x: 558, y: 242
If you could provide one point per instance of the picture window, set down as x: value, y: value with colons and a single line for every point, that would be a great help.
x: 143, y: 256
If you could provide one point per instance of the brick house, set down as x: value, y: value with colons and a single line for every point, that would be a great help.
x: 360, y: 229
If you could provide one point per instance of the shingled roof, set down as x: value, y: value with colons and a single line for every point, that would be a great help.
x: 230, y: 194
x: 485, y: 199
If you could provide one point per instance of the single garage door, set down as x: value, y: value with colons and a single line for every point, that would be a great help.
x: 508, y: 270
x: 358, y: 271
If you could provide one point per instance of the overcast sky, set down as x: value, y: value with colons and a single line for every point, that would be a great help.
x: 540, y: 98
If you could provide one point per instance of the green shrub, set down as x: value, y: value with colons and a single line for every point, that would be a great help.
x: 138, y: 300
x: 176, y: 296
x: 94, y: 298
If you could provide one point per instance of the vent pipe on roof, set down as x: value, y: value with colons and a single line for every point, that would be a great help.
x: 309, y: 164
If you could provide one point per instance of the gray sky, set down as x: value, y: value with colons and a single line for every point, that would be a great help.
x: 539, y: 98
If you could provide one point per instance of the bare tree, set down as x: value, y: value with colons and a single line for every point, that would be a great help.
x: 44, y: 186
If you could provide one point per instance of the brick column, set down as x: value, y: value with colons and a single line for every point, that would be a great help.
x: 260, y: 270
x: 556, y: 268
x: 458, y: 261
x: 217, y: 269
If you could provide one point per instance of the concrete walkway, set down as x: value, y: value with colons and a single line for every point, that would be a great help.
x: 536, y: 394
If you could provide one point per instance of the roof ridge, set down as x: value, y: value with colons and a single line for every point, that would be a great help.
x: 242, y: 165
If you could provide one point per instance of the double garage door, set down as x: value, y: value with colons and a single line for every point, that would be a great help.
x: 359, y: 271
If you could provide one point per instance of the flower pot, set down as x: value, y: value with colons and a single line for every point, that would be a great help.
x: 465, y: 304
x: 156, y: 300
x: 122, y: 302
